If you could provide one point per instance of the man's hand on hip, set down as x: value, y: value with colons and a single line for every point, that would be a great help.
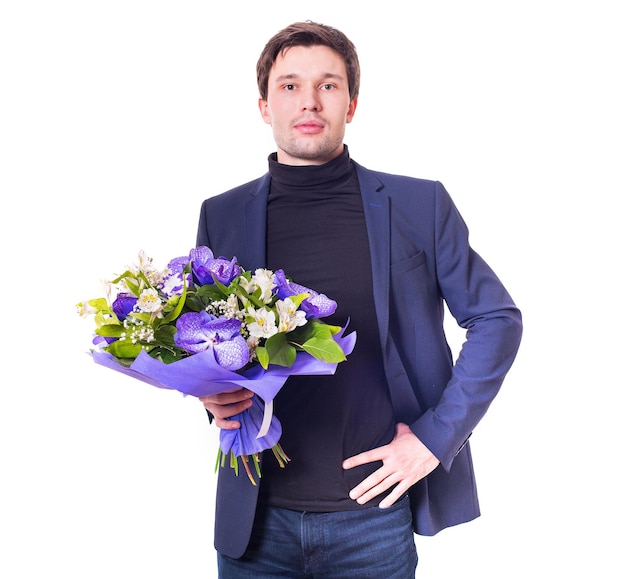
x: 405, y: 459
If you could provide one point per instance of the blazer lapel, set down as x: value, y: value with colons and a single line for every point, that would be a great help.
x: 256, y: 224
x: 376, y: 208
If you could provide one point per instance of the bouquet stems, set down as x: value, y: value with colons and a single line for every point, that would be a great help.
x: 277, y: 450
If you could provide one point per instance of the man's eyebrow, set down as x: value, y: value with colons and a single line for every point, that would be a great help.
x: 294, y: 76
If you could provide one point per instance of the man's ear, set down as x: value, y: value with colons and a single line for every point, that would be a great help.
x: 265, y: 111
x: 351, y: 110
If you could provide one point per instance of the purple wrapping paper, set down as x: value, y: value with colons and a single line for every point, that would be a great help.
x: 200, y: 375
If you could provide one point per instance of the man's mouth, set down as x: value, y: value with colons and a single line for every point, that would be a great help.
x: 309, y: 127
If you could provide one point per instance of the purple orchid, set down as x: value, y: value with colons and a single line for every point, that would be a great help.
x: 316, y: 306
x: 199, y: 331
x: 175, y: 283
x: 178, y: 264
x: 123, y: 305
x: 206, y: 267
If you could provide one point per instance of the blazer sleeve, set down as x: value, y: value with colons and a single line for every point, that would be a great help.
x: 482, y: 306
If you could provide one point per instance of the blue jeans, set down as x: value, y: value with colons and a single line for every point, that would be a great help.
x: 369, y: 543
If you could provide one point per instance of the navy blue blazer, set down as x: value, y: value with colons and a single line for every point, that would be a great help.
x: 420, y: 257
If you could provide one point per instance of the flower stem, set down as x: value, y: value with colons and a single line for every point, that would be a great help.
x: 219, y: 459
x: 244, y: 458
x: 280, y: 455
x: 277, y: 450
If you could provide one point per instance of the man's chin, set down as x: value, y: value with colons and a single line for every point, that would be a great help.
x: 313, y: 154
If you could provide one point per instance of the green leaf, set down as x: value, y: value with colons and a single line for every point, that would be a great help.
x: 124, y: 349
x: 324, y: 349
x: 144, y: 317
x: 165, y: 334
x: 99, y: 304
x: 314, y: 328
x: 280, y: 351
x: 219, y: 285
x: 179, y: 306
x: 262, y: 357
x: 127, y: 274
x: 194, y: 303
x: 211, y: 292
x: 111, y: 330
x: 168, y: 355
x: 333, y: 329
x: 105, y: 318
x: 322, y: 330
x: 297, y: 300
x: 252, y: 298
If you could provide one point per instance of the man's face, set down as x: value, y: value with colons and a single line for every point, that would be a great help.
x: 308, y: 105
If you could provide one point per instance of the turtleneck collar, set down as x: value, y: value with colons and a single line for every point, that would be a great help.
x: 311, y: 176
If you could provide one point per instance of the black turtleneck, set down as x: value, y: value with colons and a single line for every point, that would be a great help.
x: 317, y: 235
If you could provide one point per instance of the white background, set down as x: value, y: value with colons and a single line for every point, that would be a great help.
x: 118, y: 118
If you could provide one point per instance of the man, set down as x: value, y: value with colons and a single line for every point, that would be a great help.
x: 379, y: 450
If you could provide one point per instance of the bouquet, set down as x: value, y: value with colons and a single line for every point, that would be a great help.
x: 203, y: 326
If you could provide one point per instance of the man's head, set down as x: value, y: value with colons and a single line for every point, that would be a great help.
x: 309, y: 81
x: 309, y: 34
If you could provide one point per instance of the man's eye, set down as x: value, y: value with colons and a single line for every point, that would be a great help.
x: 328, y: 86
x: 290, y: 87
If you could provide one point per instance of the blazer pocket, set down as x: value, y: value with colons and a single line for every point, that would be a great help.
x: 408, y: 264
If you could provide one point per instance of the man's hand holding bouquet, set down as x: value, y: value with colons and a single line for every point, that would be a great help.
x: 204, y: 326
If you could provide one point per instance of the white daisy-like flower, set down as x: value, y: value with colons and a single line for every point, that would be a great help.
x: 265, y: 280
x: 264, y: 324
x: 289, y: 317
x: 149, y: 301
x: 144, y: 265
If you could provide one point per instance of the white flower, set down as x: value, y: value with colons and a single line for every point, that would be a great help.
x: 108, y: 290
x: 264, y: 279
x: 264, y: 324
x: 231, y: 309
x: 253, y: 343
x: 84, y: 309
x: 173, y: 284
x: 142, y: 334
x: 228, y: 308
x: 154, y: 276
x: 289, y: 317
x: 149, y: 301
x: 248, y: 285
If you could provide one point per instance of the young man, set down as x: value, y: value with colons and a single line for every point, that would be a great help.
x: 379, y: 450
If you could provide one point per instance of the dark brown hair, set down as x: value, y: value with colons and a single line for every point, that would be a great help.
x: 309, y: 34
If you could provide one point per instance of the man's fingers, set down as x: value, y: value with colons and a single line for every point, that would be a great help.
x: 375, y: 484
x: 227, y: 404
x: 220, y: 411
x: 229, y: 397
x: 225, y: 424
x: 363, y: 458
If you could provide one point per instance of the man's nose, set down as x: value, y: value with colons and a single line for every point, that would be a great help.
x: 310, y: 100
